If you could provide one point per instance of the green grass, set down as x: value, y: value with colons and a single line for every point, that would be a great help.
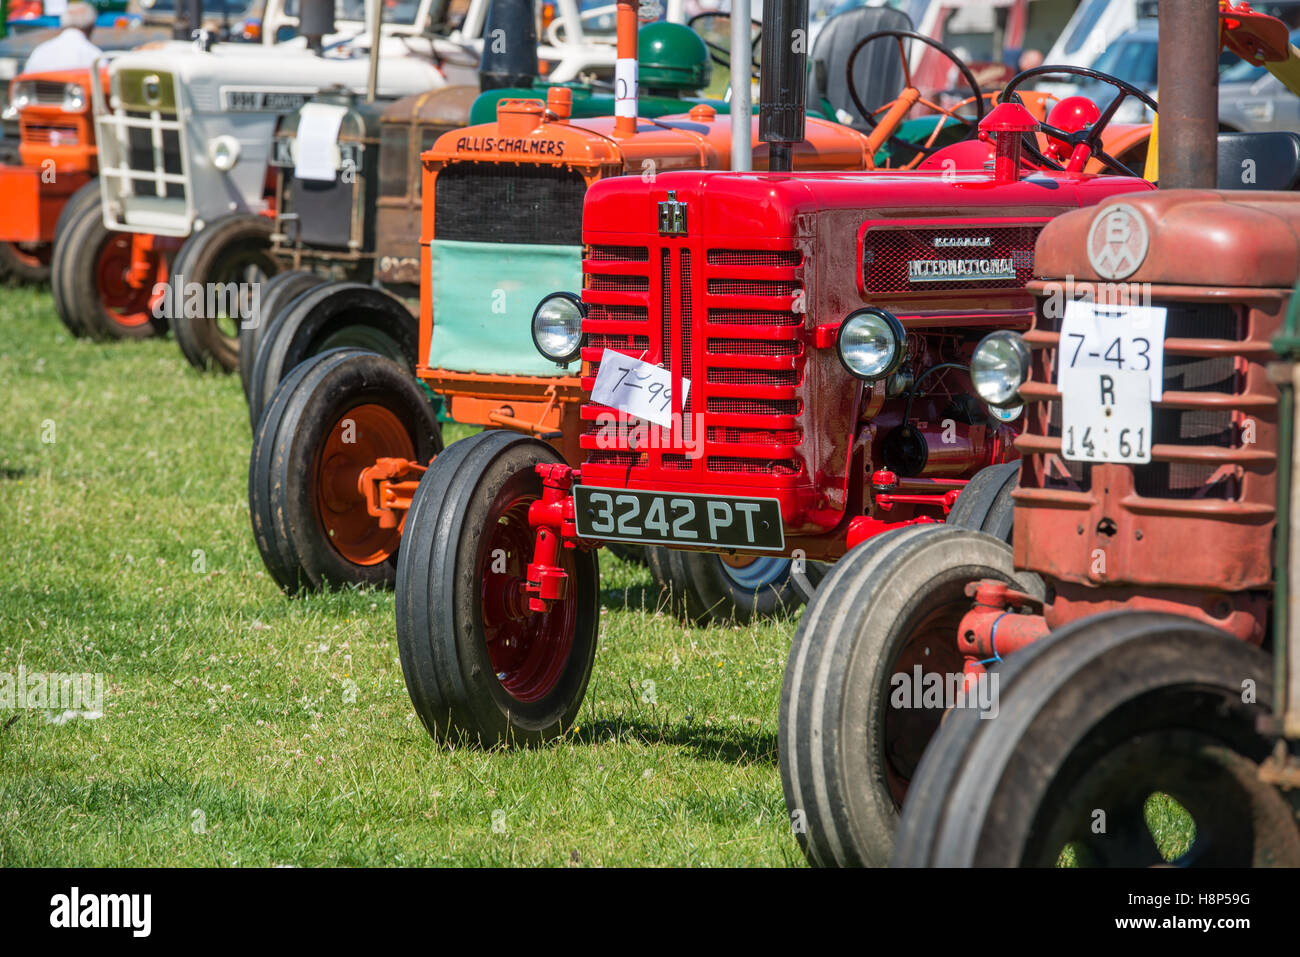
x: 243, y: 727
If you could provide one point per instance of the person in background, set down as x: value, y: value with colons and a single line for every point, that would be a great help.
x: 71, y: 49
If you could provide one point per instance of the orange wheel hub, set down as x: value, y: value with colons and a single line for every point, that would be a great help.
x: 359, y: 438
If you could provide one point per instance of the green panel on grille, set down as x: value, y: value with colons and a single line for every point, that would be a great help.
x: 484, y: 295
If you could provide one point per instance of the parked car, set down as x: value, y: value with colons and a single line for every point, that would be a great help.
x: 1251, y: 99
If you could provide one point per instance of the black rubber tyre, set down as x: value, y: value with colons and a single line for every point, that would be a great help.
x: 233, y: 249
x: 26, y: 263
x: 330, y: 316
x: 1097, y: 717
x: 474, y: 670
x: 86, y: 195
x: 632, y: 554
x: 309, y: 520
x: 702, y: 588
x: 846, y: 751
x: 87, y: 306
x: 280, y: 290
x: 985, y: 503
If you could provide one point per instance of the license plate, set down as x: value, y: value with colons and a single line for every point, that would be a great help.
x: 1101, y: 338
x: 672, y: 518
x: 1106, y: 417
x: 1110, y: 368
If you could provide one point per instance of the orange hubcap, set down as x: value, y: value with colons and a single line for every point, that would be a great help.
x: 359, y: 438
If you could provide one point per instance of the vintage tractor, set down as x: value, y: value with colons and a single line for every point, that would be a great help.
x: 184, y: 138
x: 1114, y: 490
x: 1153, y: 524
x: 359, y: 223
x: 773, y: 364
x: 56, y: 159
x: 502, y: 218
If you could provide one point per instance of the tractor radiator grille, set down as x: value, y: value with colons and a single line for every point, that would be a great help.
x: 1182, y: 427
x: 141, y: 157
x: 726, y: 321
x: 965, y: 253
x: 509, y: 203
x: 57, y: 134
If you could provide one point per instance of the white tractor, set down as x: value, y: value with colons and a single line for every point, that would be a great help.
x: 185, y: 133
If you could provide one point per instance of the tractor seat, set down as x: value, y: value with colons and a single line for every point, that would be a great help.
x: 878, y: 70
x: 1259, y: 160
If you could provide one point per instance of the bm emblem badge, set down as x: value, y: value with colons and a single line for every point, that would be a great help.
x: 1117, y: 241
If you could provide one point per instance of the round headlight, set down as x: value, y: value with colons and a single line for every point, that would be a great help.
x: 1000, y: 367
x: 870, y: 343
x: 557, y: 327
x: 224, y: 153
x: 151, y: 89
x: 74, y: 98
x: 20, y: 95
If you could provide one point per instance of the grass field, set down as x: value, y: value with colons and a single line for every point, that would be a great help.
x: 242, y: 727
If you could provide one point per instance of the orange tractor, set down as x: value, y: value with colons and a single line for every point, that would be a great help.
x: 57, y: 158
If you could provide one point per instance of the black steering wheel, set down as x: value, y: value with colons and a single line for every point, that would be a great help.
x: 900, y: 35
x: 1089, y: 135
x: 722, y: 55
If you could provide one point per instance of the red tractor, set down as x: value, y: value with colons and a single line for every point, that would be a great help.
x: 773, y: 364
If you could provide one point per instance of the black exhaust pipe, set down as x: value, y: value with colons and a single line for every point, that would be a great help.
x: 783, y: 80
x: 188, y: 18
x: 509, y: 46
x: 315, y: 22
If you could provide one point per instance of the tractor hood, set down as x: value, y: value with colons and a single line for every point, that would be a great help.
x: 699, y: 139
x: 1209, y: 238
x: 779, y: 204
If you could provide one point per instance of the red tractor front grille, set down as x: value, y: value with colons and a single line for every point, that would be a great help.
x: 888, y: 253
x: 744, y: 361
x: 1190, y: 331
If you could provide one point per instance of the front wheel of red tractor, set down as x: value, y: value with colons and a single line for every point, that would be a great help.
x: 479, y: 665
x: 865, y: 681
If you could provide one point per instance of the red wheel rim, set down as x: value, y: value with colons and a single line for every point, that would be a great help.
x: 932, y: 645
x: 128, y: 301
x: 359, y: 438
x: 529, y: 650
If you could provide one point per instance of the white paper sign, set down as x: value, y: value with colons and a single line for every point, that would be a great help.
x: 1100, y: 338
x: 637, y: 388
x: 1106, y: 417
x: 318, y: 141
x: 625, y: 83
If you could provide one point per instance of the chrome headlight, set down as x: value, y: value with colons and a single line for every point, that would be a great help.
x: 21, y: 95
x: 223, y: 151
x: 999, y: 367
x: 74, y: 98
x: 557, y: 327
x: 870, y: 343
x: 151, y: 89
